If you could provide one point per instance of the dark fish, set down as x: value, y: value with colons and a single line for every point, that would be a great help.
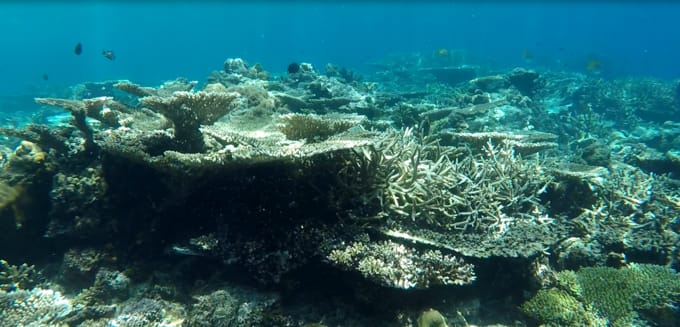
x: 108, y: 54
x: 293, y: 68
x: 78, y: 49
x: 45, y: 77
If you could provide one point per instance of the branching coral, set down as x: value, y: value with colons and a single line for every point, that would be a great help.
x: 408, y: 178
x: 18, y: 277
x: 395, y: 265
x: 629, y: 197
x: 416, y: 179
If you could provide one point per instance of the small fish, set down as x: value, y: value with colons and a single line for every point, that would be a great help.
x: 442, y: 52
x: 45, y: 77
x: 181, y: 250
x: 78, y: 49
x: 109, y: 54
x: 527, y: 55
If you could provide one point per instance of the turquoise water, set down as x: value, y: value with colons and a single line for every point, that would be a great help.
x: 339, y: 164
x: 156, y: 41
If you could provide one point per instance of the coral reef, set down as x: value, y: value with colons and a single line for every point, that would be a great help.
x: 420, y: 185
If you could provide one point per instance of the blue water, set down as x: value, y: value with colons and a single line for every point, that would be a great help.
x: 156, y: 41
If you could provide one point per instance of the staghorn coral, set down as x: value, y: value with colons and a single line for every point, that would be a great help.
x: 437, y: 186
x: 395, y: 265
x: 411, y: 178
x: 188, y: 111
x: 628, y: 209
